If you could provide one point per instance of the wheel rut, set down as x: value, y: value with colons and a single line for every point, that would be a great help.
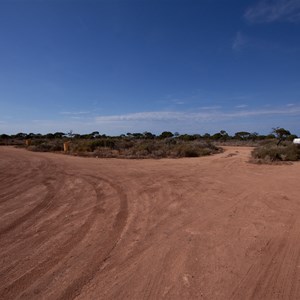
x: 97, y: 261
x: 19, y: 285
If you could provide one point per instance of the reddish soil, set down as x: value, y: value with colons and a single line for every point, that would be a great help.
x: 216, y: 227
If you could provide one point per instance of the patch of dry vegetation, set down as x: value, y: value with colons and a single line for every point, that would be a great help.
x: 272, y: 148
x: 126, y: 148
x: 272, y: 153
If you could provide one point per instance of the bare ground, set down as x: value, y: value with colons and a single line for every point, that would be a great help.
x: 198, y: 228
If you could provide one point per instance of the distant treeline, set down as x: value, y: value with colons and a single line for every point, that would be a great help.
x: 219, y: 136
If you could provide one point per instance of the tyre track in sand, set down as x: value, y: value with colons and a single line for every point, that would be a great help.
x: 39, y: 177
x: 276, y: 274
x: 16, y: 287
x: 51, y: 191
x: 97, y: 261
x: 20, y: 284
x: 22, y: 180
x: 49, y: 228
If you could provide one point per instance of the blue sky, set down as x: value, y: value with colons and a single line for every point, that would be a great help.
x: 138, y: 65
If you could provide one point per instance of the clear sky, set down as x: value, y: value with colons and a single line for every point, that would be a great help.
x: 191, y: 66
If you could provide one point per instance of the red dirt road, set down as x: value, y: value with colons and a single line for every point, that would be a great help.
x: 199, y: 228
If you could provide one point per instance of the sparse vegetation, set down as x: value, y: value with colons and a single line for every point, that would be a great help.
x: 272, y: 153
x: 132, y: 145
x: 279, y: 149
x: 142, y: 148
x: 277, y: 146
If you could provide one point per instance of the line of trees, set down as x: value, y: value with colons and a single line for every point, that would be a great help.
x: 279, y: 133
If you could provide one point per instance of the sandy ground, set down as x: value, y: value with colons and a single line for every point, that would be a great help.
x: 200, y: 228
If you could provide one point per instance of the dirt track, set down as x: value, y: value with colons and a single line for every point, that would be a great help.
x: 204, y: 228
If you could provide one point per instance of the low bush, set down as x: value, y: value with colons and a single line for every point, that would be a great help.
x: 45, y: 146
x: 272, y: 153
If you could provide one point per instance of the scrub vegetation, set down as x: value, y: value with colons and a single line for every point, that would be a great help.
x: 278, y: 150
x: 272, y: 153
x: 277, y: 146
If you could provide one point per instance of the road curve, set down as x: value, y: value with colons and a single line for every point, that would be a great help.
x: 216, y: 227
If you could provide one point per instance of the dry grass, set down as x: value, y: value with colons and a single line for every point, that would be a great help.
x: 271, y: 153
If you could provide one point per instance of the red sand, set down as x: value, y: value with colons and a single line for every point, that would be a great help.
x: 216, y: 227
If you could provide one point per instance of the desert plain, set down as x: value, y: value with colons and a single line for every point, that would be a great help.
x: 216, y: 227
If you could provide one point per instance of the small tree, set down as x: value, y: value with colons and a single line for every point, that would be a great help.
x: 49, y: 136
x: 95, y: 134
x: 148, y: 135
x: 281, y: 134
x: 206, y: 136
x: 166, y: 134
x: 242, y: 135
x: 59, y: 135
x: 222, y: 135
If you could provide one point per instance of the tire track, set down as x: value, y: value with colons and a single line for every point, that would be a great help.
x: 96, y: 263
x: 24, y: 181
x: 52, y: 189
x: 41, y: 206
x: 49, y: 228
x: 275, y: 275
x: 20, y: 284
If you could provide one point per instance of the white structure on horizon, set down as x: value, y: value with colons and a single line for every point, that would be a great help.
x: 296, y: 141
